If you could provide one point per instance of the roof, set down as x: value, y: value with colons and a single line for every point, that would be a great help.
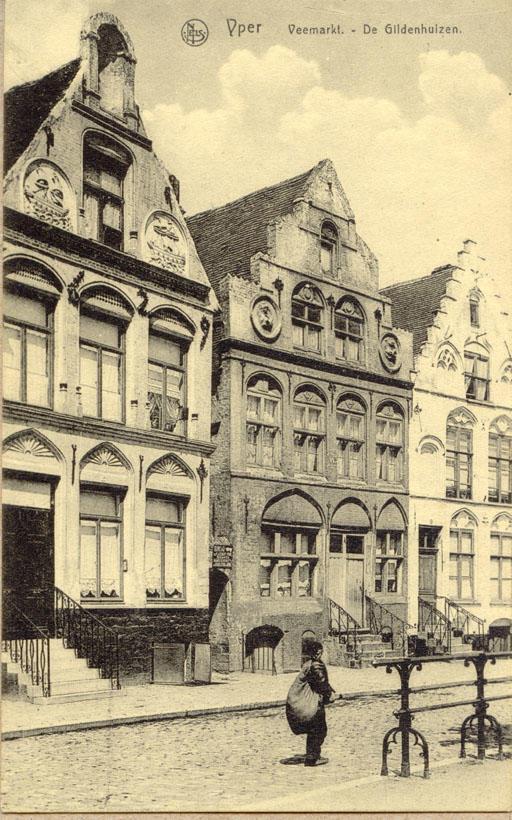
x: 415, y: 302
x: 227, y: 237
x: 27, y: 106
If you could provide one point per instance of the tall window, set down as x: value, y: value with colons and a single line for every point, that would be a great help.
x: 328, y: 248
x: 307, y: 311
x: 27, y: 347
x: 309, y: 431
x: 101, y: 365
x: 350, y: 436
x: 287, y: 563
x: 263, y: 422
x: 461, y: 572
x: 500, y: 465
x: 458, y: 461
x: 105, y: 167
x: 100, y: 542
x: 165, y: 536
x: 474, y: 311
x: 476, y: 375
x: 390, y: 442
x: 501, y: 559
x: 388, y: 561
x: 167, y: 382
x: 348, y: 330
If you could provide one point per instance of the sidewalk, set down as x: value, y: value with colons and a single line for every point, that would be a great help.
x: 235, y: 692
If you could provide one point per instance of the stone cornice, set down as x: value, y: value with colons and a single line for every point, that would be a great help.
x: 300, y: 360
x: 32, y: 233
x: 108, y: 431
x: 112, y: 125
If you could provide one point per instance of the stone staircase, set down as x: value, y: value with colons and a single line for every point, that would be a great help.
x: 368, y: 648
x: 71, y: 679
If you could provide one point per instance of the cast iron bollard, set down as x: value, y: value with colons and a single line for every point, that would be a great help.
x: 480, y: 715
x: 404, y: 668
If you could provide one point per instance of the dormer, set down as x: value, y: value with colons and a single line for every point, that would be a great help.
x: 109, y: 67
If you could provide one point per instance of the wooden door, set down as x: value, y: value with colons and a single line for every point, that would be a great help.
x: 354, y: 556
x: 428, y: 575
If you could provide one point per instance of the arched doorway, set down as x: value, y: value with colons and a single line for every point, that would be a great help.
x: 500, y: 635
x: 349, y: 527
x: 259, y: 649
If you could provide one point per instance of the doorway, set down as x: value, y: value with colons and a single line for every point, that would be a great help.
x: 346, y: 572
x: 28, y: 551
x: 428, y: 550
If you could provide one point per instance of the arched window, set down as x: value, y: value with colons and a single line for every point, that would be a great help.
x: 104, y: 316
x: 500, y: 461
x: 263, y: 425
x: 459, y: 456
x: 309, y: 431
x: 348, y: 330
x: 328, y: 248
x: 389, y: 550
x: 29, y: 301
x: 169, y: 340
x: 350, y: 438
x: 462, y: 556
x: 474, y: 310
x: 106, y: 164
x: 390, y: 443
x: 501, y: 559
x: 307, y: 318
x: 476, y: 365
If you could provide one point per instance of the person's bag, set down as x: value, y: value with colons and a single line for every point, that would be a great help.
x: 302, y: 703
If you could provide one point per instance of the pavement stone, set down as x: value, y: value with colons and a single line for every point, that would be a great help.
x: 242, y: 691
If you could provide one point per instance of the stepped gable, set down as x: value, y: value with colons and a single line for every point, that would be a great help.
x: 415, y: 302
x: 227, y: 237
x: 27, y: 106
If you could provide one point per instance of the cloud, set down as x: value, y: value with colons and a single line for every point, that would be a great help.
x: 419, y: 187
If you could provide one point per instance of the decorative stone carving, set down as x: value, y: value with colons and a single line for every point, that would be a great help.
x: 167, y: 465
x: 446, y: 359
x: 502, y: 425
x: 29, y: 444
x: 463, y: 521
x: 461, y: 418
x: 165, y: 245
x: 104, y: 456
x: 502, y: 523
x: 390, y: 353
x: 266, y: 318
x: 47, y: 194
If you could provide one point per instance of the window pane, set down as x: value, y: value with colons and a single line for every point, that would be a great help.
x: 155, y: 393
x: 253, y: 405
x: 298, y: 335
x: 110, y: 561
x: 314, y: 419
x: 284, y: 579
x: 251, y: 443
x: 98, y: 503
x: 88, y: 565
x: 101, y: 331
x: 466, y: 542
x: 12, y: 363
x: 304, y: 585
x: 506, y: 545
x: 173, y: 564
x: 265, y: 573
x: 37, y: 368
x: 165, y: 350
x: 29, y: 310
x: 268, y: 438
x: 313, y: 454
x: 166, y: 510
x: 110, y: 181
x: 111, y: 215
x: 111, y: 399
x: 326, y: 258
x: 153, y: 559
x: 313, y: 337
x: 89, y: 380
x: 91, y: 214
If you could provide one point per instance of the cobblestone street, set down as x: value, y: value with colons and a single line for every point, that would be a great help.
x: 224, y: 762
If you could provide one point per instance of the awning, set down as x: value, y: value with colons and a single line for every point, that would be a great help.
x: 351, y: 516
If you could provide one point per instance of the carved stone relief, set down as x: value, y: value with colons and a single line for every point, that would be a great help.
x: 266, y: 318
x: 47, y: 195
x: 390, y: 353
x: 165, y: 245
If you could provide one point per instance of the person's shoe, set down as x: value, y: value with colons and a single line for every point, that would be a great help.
x: 319, y: 761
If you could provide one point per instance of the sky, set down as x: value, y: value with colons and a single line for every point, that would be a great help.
x: 418, y: 126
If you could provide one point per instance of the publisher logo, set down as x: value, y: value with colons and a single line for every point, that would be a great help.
x: 194, y: 33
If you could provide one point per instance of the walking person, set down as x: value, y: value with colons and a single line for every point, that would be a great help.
x: 305, y: 704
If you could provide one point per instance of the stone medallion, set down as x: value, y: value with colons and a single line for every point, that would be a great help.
x: 266, y: 318
x: 390, y: 353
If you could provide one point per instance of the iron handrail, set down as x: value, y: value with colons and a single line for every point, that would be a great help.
x: 32, y: 653
x: 441, y: 626
x: 378, y: 614
x: 468, y: 616
x: 343, y: 625
x: 88, y: 636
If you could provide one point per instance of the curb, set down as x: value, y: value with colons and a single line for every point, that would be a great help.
x: 16, y: 734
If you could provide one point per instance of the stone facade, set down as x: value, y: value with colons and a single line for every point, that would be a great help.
x: 102, y: 277
x: 308, y: 374
x: 460, y: 439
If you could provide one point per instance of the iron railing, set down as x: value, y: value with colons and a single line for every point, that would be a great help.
x: 32, y: 652
x: 437, y: 626
x: 343, y: 626
x: 88, y: 636
x: 381, y: 621
x: 463, y: 621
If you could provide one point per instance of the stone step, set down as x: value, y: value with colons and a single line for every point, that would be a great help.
x: 71, y: 687
x: 71, y: 697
